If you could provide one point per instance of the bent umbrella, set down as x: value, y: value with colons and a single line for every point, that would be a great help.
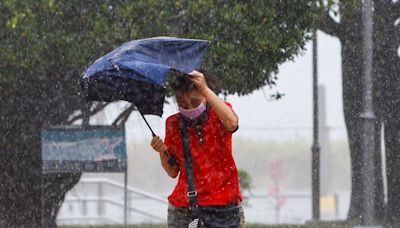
x: 137, y: 71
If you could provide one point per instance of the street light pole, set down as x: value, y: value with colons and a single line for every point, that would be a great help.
x: 368, y: 120
x: 315, y: 160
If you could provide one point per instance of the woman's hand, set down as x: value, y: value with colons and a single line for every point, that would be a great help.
x: 198, y: 80
x: 228, y: 118
x: 161, y: 148
x: 158, y: 145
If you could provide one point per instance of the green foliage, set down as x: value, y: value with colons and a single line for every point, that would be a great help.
x: 244, y: 180
x: 249, y: 39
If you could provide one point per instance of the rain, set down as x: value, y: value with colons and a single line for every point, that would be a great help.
x: 214, y: 113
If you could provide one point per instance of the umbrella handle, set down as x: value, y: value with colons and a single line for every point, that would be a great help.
x: 180, y: 73
x: 152, y: 132
x: 171, y: 160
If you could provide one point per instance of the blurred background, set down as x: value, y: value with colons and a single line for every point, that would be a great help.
x: 262, y: 53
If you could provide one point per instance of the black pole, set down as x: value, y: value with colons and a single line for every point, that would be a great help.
x: 152, y: 132
x: 315, y: 160
x: 368, y: 119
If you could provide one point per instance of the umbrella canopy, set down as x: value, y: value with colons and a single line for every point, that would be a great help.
x: 137, y: 71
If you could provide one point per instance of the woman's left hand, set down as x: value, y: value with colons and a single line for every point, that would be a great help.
x: 198, y: 79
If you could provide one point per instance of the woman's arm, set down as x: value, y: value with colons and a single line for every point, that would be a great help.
x: 159, y: 146
x: 228, y: 118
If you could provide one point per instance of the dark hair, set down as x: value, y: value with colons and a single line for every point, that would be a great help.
x: 182, y: 82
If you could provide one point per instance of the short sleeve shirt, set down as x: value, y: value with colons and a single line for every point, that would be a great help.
x: 215, y: 173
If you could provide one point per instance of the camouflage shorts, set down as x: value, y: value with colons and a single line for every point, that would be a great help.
x: 180, y: 217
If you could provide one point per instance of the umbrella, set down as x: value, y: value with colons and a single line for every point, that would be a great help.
x: 137, y: 71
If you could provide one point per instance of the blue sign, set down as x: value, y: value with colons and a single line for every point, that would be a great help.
x: 89, y: 149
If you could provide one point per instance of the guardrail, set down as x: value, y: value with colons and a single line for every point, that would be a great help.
x: 100, y: 202
x: 130, y: 189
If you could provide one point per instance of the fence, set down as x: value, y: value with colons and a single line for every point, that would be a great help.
x: 100, y: 201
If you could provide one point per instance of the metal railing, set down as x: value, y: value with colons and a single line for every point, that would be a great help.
x: 100, y: 202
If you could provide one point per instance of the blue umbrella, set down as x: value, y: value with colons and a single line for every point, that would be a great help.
x: 137, y: 71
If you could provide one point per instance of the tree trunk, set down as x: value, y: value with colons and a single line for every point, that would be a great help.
x: 392, y: 143
x: 21, y: 178
x: 379, y: 190
x: 387, y: 99
x: 55, y: 187
x: 352, y: 106
x: 391, y: 118
x: 352, y: 100
x: 22, y: 185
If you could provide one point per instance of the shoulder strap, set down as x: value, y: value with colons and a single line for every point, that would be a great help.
x: 189, y: 166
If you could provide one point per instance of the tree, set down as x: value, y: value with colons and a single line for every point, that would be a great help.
x: 348, y: 29
x: 46, y: 44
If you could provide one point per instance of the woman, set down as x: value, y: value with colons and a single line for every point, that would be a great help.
x: 210, y: 123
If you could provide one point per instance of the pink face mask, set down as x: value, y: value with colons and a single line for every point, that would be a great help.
x: 194, y: 112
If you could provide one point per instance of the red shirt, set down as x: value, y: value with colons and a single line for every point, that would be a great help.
x: 215, y: 174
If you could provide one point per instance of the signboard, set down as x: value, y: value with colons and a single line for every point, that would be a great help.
x: 89, y: 149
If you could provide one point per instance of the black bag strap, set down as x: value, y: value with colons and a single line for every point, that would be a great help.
x: 189, y: 167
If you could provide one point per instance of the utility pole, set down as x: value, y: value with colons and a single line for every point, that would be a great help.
x: 315, y: 160
x: 368, y: 120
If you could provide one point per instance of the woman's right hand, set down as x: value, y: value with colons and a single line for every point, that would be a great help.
x: 158, y: 145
